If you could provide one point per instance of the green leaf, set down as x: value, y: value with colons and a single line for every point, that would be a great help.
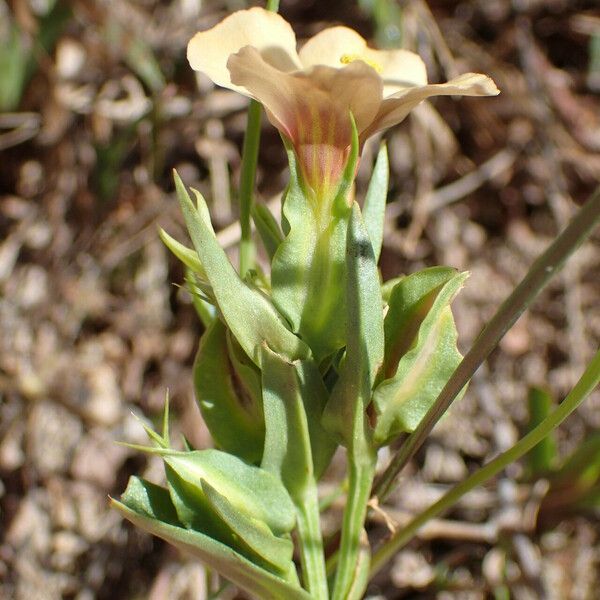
x: 287, y: 451
x: 230, y: 405
x: 268, y: 228
x: 150, y: 500
x: 421, y: 352
x: 186, y: 255
x: 297, y: 448
x: 293, y: 400
x: 308, y: 269
x: 251, y: 490
x: 253, y: 538
x: 201, y: 507
x: 145, y: 507
x: 388, y: 286
x: 249, y: 314
x: 365, y: 336
x: 409, y: 303
x: 375, y: 200
x: 542, y: 457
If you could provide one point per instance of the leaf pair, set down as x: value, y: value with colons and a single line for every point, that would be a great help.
x: 234, y: 516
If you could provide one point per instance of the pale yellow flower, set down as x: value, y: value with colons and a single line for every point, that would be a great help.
x: 308, y: 95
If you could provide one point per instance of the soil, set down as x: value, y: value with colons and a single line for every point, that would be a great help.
x: 95, y: 326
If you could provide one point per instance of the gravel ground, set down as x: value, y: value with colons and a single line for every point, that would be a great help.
x: 95, y: 328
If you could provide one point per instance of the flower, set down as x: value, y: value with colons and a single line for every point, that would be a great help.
x: 309, y: 94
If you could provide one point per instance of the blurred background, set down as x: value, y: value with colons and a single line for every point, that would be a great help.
x: 98, y: 104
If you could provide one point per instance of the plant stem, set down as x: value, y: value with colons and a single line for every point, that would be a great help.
x: 540, y: 273
x: 247, y: 178
x: 361, y: 471
x: 248, y: 174
x: 312, y: 555
x: 586, y: 384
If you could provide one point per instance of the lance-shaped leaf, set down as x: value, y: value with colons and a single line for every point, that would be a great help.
x: 253, y: 538
x: 251, y: 490
x: 149, y: 507
x: 201, y: 507
x: 365, y: 343
x: 294, y: 396
x: 228, y: 397
x: 308, y: 269
x: 409, y: 302
x: 421, y: 352
x: 346, y: 412
x: 186, y: 255
x: 374, y: 206
x: 249, y: 314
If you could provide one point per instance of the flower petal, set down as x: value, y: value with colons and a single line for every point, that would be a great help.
x: 273, y: 37
x: 312, y: 108
x: 330, y: 45
x: 356, y: 88
x: 336, y: 46
x: 400, y: 69
x: 395, y: 108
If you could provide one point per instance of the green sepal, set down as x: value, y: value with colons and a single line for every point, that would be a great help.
x: 249, y: 314
x: 228, y: 399
x: 365, y: 343
x: 149, y: 507
x: 251, y: 490
x: 268, y: 228
x: 308, y: 268
x: 375, y: 200
x: 421, y: 352
x: 294, y: 396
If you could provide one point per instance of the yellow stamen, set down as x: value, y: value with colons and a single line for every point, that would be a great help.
x: 346, y: 59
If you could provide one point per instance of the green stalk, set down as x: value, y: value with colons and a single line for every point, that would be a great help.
x: 312, y: 555
x: 589, y: 380
x: 248, y: 175
x: 541, y: 272
x: 361, y: 471
x: 247, y: 178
